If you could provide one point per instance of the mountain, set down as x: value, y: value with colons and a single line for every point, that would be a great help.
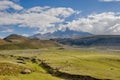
x: 15, y: 41
x: 108, y: 41
x: 15, y: 38
x: 61, y: 34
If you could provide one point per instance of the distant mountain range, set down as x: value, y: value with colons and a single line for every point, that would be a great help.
x: 15, y: 41
x: 102, y: 41
x: 61, y: 34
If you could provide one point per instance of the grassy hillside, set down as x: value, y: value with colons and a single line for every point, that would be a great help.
x: 15, y: 38
x: 11, y: 68
x: 86, y: 62
x: 98, y: 64
x: 20, y: 42
x: 47, y: 61
x: 2, y: 42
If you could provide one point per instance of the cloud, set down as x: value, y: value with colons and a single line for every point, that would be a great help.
x: 7, y: 31
x: 109, y: 0
x: 25, y: 35
x: 102, y: 23
x: 6, y: 4
x: 47, y: 19
x: 42, y: 18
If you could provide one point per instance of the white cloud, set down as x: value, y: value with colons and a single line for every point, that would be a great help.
x: 47, y: 19
x: 7, y: 30
x: 109, y: 0
x: 6, y: 4
x: 25, y: 35
x: 43, y: 18
x: 103, y: 23
x: 38, y: 9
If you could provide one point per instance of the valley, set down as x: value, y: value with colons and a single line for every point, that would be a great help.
x: 59, y: 40
x: 101, y: 65
x: 24, y: 58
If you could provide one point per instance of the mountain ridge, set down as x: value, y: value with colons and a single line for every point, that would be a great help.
x: 61, y: 34
x: 15, y: 41
x: 108, y: 41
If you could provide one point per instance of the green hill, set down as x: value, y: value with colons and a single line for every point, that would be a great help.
x: 15, y: 41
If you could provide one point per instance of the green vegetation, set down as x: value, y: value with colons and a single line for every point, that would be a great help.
x: 88, y: 62
x: 11, y: 67
x: 98, y: 64
x: 7, y: 68
x: 14, y: 41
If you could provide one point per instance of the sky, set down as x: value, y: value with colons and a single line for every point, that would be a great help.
x: 29, y: 17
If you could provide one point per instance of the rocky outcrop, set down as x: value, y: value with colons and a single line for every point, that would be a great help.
x: 26, y: 71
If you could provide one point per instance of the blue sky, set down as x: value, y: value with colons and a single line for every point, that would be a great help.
x: 28, y: 17
x: 86, y: 6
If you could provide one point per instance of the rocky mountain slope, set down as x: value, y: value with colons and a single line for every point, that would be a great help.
x: 62, y: 34
x: 112, y: 41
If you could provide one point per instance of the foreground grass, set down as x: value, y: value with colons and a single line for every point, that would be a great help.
x: 38, y: 74
x: 98, y: 64
x: 12, y: 70
x: 95, y: 63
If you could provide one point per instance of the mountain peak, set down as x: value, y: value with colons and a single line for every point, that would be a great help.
x: 15, y: 37
x: 61, y: 34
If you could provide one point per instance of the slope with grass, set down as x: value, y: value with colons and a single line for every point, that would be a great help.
x: 11, y: 68
x: 85, y: 62
x: 15, y: 41
x: 97, y: 64
x: 3, y: 42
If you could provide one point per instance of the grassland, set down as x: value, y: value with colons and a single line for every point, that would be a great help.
x: 16, y: 42
x: 6, y: 62
x: 100, y: 64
